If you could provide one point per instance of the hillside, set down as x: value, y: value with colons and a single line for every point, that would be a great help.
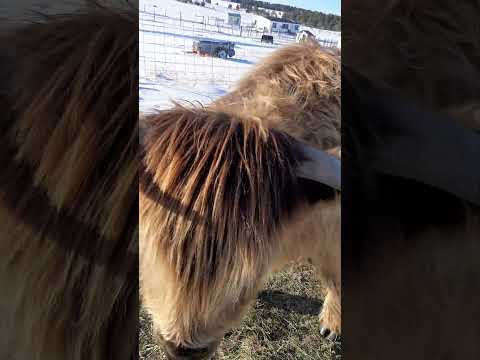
x: 305, y: 17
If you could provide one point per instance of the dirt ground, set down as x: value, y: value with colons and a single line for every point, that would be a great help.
x: 282, y: 325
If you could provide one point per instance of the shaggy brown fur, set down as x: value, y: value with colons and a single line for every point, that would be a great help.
x: 426, y: 50
x: 296, y: 90
x: 220, y: 204
x: 68, y: 187
x: 425, y: 302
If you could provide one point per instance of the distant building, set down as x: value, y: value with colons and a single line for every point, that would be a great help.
x: 272, y: 24
x: 234, y: 18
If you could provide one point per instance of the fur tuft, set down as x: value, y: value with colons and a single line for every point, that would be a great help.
x: 220, y: 203
x: 68, y: 187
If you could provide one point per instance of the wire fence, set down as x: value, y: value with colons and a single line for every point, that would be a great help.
x: 166, y: 40
x: 166, y: 50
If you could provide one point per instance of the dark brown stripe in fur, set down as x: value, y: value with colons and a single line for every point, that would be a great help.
x: 149, y: 188
x: 61, y: 225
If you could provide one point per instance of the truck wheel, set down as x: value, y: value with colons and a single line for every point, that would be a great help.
x: 222, y: 54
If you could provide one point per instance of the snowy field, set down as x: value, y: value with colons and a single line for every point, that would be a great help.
x: 168, y: 68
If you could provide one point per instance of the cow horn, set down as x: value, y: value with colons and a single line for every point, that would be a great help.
x: 319, y: 166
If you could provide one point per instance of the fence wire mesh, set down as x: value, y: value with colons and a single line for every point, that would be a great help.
x: 166, y: 48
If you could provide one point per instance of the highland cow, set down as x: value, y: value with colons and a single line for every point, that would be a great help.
x: 232, y: 191
x: 411, y: 190
x: 68, y: 187
x: 410, y: 264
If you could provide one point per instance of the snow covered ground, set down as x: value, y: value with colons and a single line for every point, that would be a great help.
x: 170, y: 71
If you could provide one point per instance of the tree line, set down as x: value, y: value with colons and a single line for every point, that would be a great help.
x: 311, y: 18
x: 316, y: 19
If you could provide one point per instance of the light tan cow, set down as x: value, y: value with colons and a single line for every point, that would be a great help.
x: 232, y: 191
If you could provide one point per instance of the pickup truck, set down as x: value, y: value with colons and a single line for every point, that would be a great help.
x: 221, y: 49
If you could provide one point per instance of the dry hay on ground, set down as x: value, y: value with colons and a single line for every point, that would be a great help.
x: 281, y: 325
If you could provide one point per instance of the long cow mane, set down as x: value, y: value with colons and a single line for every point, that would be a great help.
x: 68, y: 186
x: 410, y: 250
x: 218, y: 188
x: 409, y: 35
x: 296, y: 90
x: 214, y: 188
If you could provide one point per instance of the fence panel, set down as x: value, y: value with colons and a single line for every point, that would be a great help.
x: 166, y: 57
